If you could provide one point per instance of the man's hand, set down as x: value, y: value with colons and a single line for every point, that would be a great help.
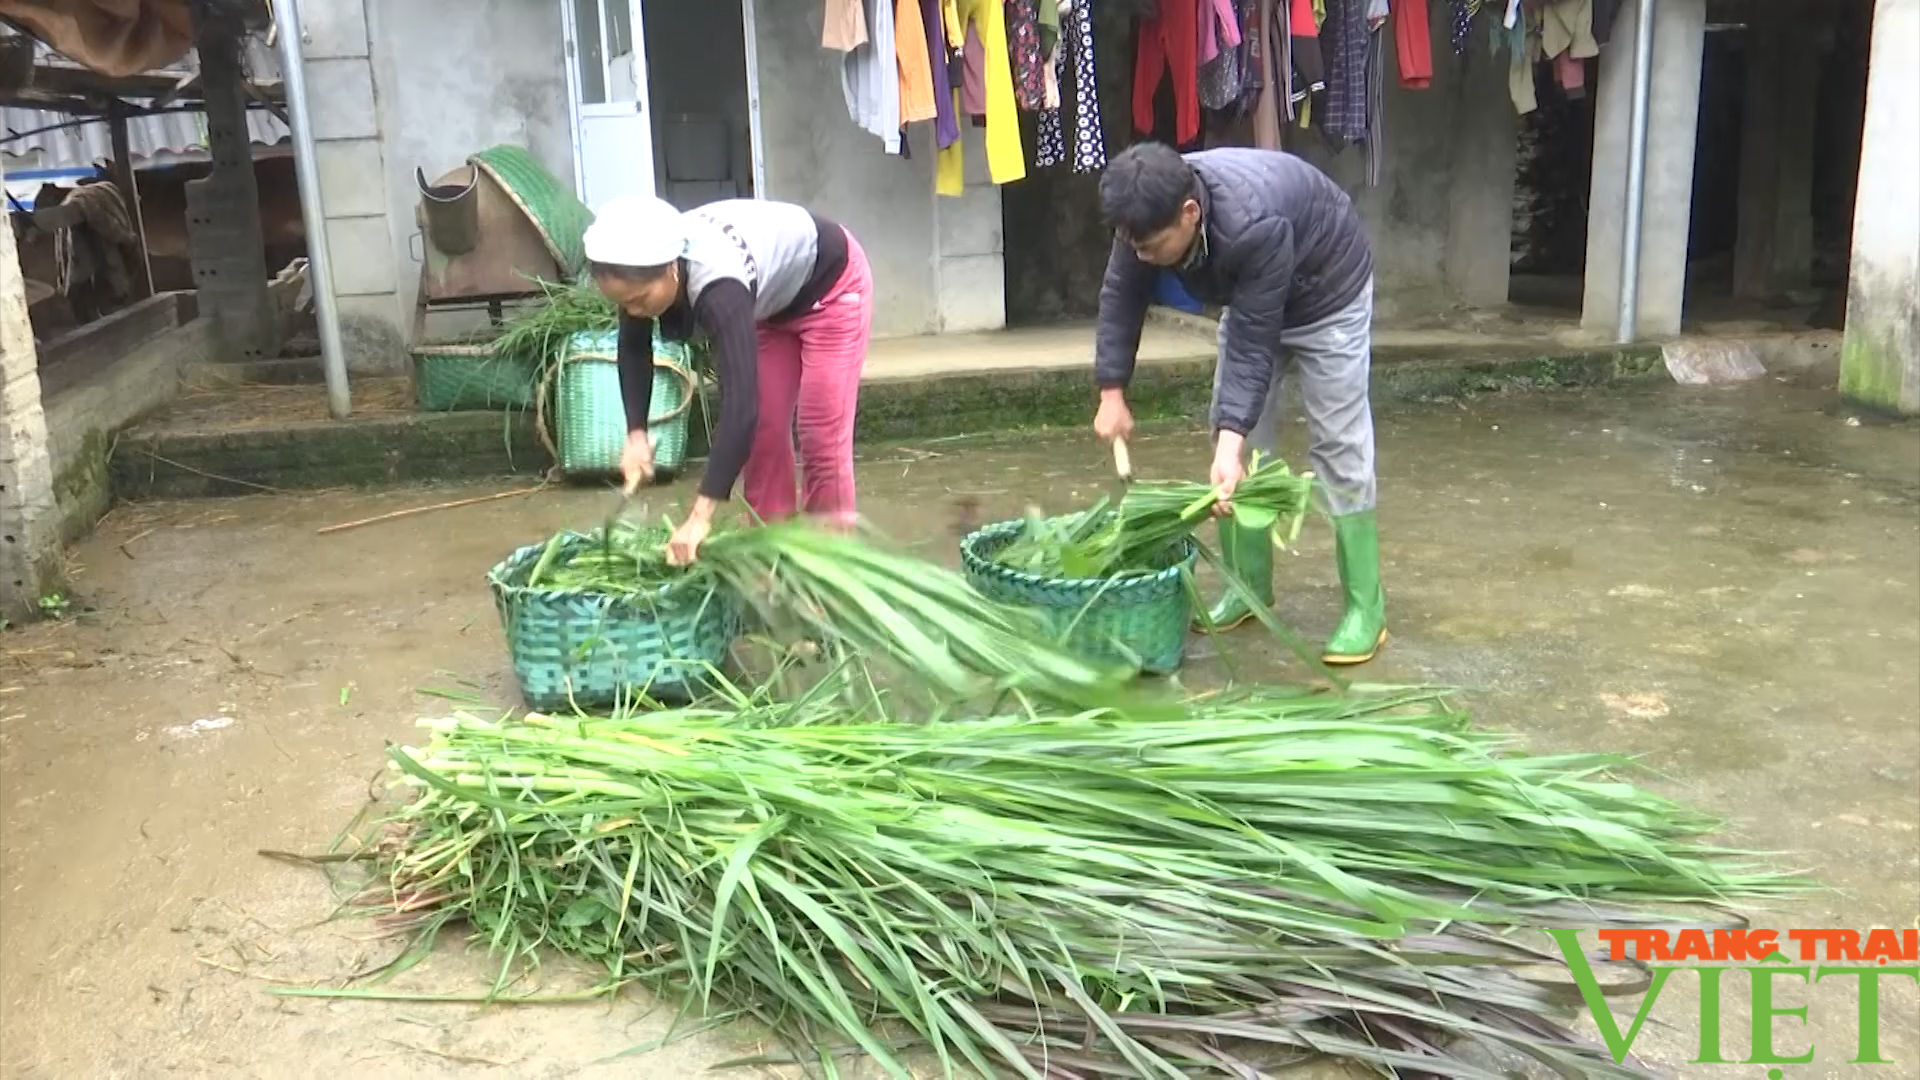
x: 1114, y: 420
x: 636, y: 461
x: 684, y: 546
x: 1228, y: 470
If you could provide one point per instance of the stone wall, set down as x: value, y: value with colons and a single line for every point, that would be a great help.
x: 83, y: 418
x: 30, y: 559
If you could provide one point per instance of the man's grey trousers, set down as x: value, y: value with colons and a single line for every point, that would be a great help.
x: 1331, y: 360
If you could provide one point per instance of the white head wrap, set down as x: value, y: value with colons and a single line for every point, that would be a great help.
x: 637, y: 230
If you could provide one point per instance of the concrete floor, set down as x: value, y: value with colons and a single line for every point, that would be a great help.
x: 1726, y: 582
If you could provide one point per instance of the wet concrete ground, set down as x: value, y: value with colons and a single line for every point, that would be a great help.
x: 1726, y: 582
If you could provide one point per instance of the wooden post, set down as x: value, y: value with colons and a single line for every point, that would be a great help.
x: 130, y: 194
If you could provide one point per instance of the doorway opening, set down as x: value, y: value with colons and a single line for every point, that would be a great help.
x: 660, y: 94
x: 697, y: 79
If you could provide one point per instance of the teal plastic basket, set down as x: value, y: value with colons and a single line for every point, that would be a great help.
x: 589, y: 418
x: 594, y: 650
x: 1139, y: 621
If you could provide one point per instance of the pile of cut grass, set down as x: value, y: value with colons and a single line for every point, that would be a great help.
x: 1074, y: 895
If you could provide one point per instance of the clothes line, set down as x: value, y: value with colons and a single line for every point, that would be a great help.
x: 1276, y: 65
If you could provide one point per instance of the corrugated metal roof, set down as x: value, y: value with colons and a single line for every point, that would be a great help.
x: 153, y: 140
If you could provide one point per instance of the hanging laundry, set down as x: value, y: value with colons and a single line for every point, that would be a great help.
x: 1023, y: 50
x: 1571, y: 74
x: 1263, y: 60
x: 870, y: 78
x: 946, y: 126
x: 845, y: 27
x: 1463, y: 12
x: 1378, y: 12
x: 1605, y: 12
x: 1376, y: 104
x: 1306, y: 65
x: 917, y: 100
x: 1345, y: 39
x: 1089, y: 138
x: 973, y: 92
x: 1566, y: 26
x: 1218, y: 28
x: 1006, y: 160
x: 1411, y: 43
x: 956, y: 40
x: 1169, y: 48
x: 1223, y: 78
x: 1524, y: 50
x: 1050, y: 52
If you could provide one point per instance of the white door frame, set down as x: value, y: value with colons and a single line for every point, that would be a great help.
x: 756, y: 137
x: 579, y: 109
x: 570, y: 59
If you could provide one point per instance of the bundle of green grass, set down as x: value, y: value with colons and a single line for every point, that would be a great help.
x: 1133, y: 537
x: 866, y: 605
x: 1084, y: 895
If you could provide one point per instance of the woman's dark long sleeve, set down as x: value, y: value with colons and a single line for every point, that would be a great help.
x: 636, y: 370
x: 725, y: 312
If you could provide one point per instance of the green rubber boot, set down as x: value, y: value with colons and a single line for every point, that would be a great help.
x: 1363, y: 629
x: 1248, y: 555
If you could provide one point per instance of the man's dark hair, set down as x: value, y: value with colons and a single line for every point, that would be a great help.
x: 1144, y: 188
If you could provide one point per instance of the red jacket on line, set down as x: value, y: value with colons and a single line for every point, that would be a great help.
x: 1413, y: 44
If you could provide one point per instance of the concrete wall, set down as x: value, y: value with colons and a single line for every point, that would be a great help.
x: 1441, y: 217
x: 457, y: 76
x: 347, y: 147
x: 400, y: 84
x: 30, y: 562
x: 1880, y: 362
x: 82, y: 418
x: 937, y: 263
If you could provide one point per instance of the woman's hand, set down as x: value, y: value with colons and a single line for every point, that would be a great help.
x: 636, y: 461
x: 684, y: 546
x: 1228, y: 470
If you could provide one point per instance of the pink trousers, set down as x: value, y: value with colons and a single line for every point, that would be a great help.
x: 810, y: 382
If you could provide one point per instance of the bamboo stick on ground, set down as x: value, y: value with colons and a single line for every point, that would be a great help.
x: 413, y: 510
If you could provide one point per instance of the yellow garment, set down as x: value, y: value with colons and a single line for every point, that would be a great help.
x: 1006, y: 159
x: 950, y: 15
x: 910, y: 53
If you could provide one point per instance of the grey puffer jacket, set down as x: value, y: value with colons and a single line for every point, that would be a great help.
x: 1281, y: 246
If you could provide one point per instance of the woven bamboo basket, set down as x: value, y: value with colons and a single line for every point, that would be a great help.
x: 585, y: 419
x: 595, y: 651
x: 1140, y: 621
x: 466, y: 377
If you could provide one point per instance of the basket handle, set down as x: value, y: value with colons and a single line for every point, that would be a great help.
x: 660, y: 363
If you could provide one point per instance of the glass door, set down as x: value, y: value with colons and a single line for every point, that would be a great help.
x: 607, y: 85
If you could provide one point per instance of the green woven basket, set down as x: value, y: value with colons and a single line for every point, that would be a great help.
x: 589, y: 418
x: 552, y: 206
x: 458, y: 378
x: 1141, y: 621
x: 596, y: 651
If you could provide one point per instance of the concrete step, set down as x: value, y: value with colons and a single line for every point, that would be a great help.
x: 918, y: 389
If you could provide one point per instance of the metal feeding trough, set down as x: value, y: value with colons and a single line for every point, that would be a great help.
x: 491, y: 230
